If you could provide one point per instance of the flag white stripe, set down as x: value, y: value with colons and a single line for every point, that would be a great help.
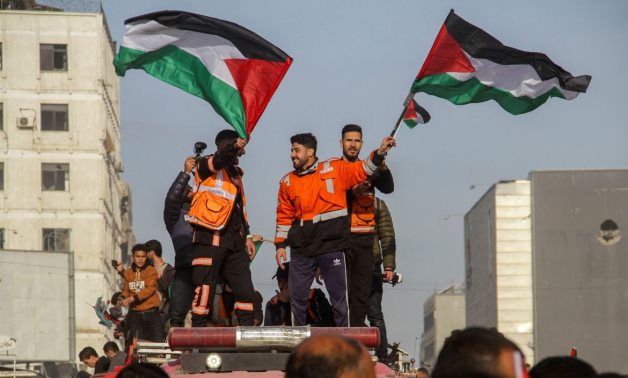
x: 519, y: 79
x: 210, y: 49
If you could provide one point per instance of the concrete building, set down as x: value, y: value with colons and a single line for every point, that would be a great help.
x: 543, y: 260
x: 60, y: 163
x: 443, y: 313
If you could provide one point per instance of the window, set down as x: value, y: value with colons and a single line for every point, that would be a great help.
x: 1, y: 238
x: 53, y: 57
x: 1, y: 176
x: 0, y: 56
x: 54, y: 117
x: 1, y: 116
x: 55, y: 176
x: 56, y: 239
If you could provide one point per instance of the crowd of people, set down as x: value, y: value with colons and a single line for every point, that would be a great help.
x: 328, y: 217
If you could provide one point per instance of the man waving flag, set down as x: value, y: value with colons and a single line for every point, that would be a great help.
x: 467, y: 65
x: 232, y: 68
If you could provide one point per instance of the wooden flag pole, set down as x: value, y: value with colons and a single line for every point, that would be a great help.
x: 406, y: 103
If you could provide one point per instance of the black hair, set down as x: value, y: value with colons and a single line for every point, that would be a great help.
x: 139, y: 247
x: 351, y: 127
x: 472, y: 353
x: 154, y: 245
x: 306, y: 139
x: 141, y: 371
x: 115, y: 297
x: 110, y: 346
x: 86, y: 353
x: 225, y: 136
x: 562, y: 367
x: 333, y: 363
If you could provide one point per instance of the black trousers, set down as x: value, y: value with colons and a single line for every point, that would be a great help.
x: 375, y: 313
x: 209, y: 264
x: 145, y: 325
x: 182, y: 296
x: 360, y: 274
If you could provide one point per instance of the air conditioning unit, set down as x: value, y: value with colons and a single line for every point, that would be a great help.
x: 25, y: 122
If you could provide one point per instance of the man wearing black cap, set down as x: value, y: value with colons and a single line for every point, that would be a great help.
x: 319, y: 312
x: 222, y: 241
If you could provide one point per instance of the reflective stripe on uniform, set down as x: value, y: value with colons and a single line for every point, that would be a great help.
x: 329, y: 183
x: 329, y: 215
x: 216, y: 239
x: 369, y: 166
x: 245, y: 306
x: 217, y: 191
x: 206, y: 261
x: 362, y: 229
x: 281, y: 234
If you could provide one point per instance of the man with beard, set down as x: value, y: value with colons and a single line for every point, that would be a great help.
x: 312, y: 219
x: 361, y: 200
x: 223, y: 245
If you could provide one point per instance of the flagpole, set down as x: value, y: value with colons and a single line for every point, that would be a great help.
x: 406, y: 103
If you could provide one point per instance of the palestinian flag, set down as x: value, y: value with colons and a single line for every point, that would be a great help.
x: 415, y: 114
x: 232, y: 68
x: 468, y: 65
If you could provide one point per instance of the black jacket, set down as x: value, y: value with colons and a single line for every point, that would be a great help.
x: 175, y: 210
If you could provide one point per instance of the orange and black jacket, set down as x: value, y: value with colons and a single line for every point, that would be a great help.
x: 312, y: 214
x: 141, y: 283
x: 236, y: 227
x: 362, y: 207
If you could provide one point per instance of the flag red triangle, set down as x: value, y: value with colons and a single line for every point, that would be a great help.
x: 446, y: 55
x: 256, y: 80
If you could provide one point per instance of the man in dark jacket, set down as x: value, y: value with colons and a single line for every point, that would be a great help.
x: 176, y: 209
x: 89, y: 357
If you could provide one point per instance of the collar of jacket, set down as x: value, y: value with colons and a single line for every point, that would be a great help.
x: 309, y: 170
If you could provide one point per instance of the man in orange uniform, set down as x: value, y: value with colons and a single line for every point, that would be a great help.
x: 361, y: 199
x: 223, y: 245
x: 312, y: 219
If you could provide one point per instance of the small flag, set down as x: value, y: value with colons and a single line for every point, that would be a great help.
x: 467, y: 65
x: 232, y: 68
x: 415, y: 114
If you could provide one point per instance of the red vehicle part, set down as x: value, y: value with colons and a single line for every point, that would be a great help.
x: 243, y: 338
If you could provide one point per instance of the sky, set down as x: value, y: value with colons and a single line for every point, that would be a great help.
x: 354, y: 62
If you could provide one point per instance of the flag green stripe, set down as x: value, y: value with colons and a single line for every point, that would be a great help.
x: 187, y: 72
x: 410, y: 123
x: 473, y: 91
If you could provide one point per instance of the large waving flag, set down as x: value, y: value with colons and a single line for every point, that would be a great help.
x: 467, y: 65
x: 232, y: 68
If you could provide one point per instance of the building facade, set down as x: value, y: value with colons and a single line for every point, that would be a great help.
x: 543, y: 261
x: 443, y: 313
x: 60, y: 152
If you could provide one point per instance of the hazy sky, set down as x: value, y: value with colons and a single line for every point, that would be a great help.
x: 354, y: 62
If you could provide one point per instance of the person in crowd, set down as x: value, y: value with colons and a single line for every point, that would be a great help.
x: 113, y: 353
x: 562, y: 367
x: 165, y: 276
x: 141, y: 371
x: 223, y: 245
x: 384, y: 250
x: 312, y: 219
x: 176, y: 207
x: 361, y: 200
x: 330, y: 356
x: 422, y: 373
x: 477, y: 352
x: 89, y: 357
x: 277, y: 312
x: 141, y: 297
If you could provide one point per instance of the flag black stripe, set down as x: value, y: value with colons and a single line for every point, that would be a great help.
x: 251, y: 45
x: 479, y: 44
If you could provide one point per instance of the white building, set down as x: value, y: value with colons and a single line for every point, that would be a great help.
x: 443, y: 313
x: 60, y: 158
x: 498, y: 263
